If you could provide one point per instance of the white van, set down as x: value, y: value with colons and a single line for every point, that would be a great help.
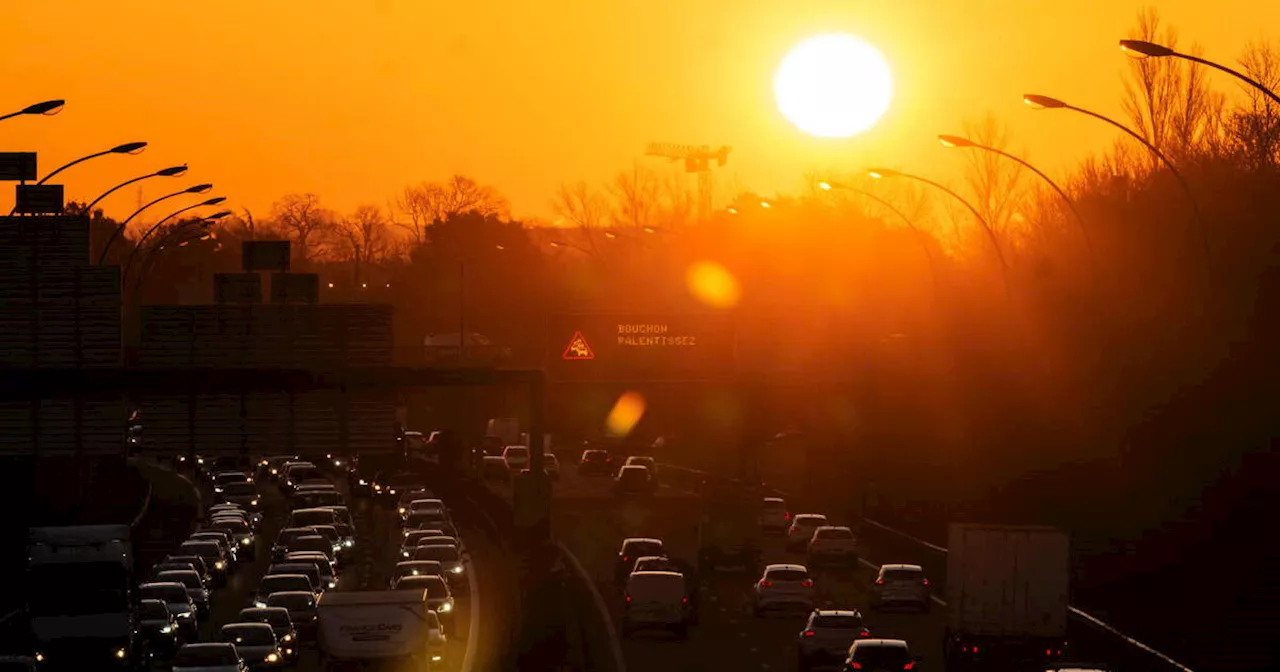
x: 656, y: 600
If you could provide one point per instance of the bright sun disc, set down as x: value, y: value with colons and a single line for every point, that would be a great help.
x: 833, y: 86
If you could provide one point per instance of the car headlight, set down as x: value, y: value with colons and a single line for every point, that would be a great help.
x: 402, y: 510
x: 392, y: 491
x: 166, y: 629
x: 200, y: 460
x: 364, y: 482
x: 253, y: 502
x: 259, y: 604
x: 348, y: 542
x: 435, y: 659
x: 337, y: 463
x: 377, y: 487
x: 39, y: 657
x: 187, y: 614
x: 275, y: 472
x: 288, y: 637
x: 220, y: 565
x: 246, y: 541
x: 121, y: 653
x: 446, y: 608
x: 272, y: 657
x: 333, y: 584
x: 404, y: 553
x: 457, y: 570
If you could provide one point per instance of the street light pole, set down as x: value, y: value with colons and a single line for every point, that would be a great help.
x: 1143, y: 49
x: 921, y: 238
x: 878, y: 173
x: 155, y: 227
x: 172, y: 171
x: 150, y: 256
x: 198, y: 189
x: 134, y: 148
x: 48, y: 108
x: 1045, y: 102
x: 957, y: 141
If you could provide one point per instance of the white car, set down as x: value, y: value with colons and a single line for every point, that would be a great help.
x: 827, y: 636
x: 880, y: 654
x: 784, y: 586
x: 774, y: 517
x: 833, y: 545
x: 209, y: 657
x: 656, y: 600
x: 515, y: 457
x: 801, y: 530
x: 900, y: 585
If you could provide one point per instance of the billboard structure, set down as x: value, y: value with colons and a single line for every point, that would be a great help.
x: 607, y: 347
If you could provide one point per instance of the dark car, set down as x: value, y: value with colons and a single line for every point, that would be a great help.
x: 158, y: 629
x: 633, y: 480
x: 595, y: 462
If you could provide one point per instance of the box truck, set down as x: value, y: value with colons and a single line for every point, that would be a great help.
x: 392, y: 629
x: 1007, y: 596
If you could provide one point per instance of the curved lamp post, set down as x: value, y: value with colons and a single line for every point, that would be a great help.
x: 133, y: 148
x: 156, y: 227
x: 198, y: 189
x: 1142, y: 49
x: 171, y: 236
x: 960, y: 142
x: 172, y: 171
x: 879, y: 173
x: 1045, y: 102
x: 920, y: 236
x: 48, y: 108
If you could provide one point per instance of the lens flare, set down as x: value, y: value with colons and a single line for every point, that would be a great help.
x: 626, y: 412
x: 713, y: 284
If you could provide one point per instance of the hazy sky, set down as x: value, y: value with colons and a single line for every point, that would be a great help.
x: 354, y: 99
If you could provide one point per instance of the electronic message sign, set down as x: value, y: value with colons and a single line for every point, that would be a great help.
x: 640, y: 347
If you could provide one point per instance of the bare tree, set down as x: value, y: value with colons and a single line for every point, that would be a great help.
x: 1168, y: 100
x: 305, y: 222
x: 431, y: 202
x: 581, y: 205
x: 1255, y: 130
x: 997, y: 184
x: 364, y: 239
x: 637, y: 196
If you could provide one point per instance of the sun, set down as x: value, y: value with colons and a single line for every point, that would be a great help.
x: 833, y: 86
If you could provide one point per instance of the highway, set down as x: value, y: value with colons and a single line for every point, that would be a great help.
x: 592, y: 524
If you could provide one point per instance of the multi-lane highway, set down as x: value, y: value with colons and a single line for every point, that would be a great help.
x: 592, y: 524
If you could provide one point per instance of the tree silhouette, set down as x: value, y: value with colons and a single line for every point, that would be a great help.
x: 306, y: 223
x: 431, y: 202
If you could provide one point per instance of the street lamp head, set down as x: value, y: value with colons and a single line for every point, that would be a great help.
x: 1142, y: 49
x: 215, y: 201
x: 878, y: 173
x: 1042, y: 102
x: 129, y: 148
x: 610, y: 235
x: 825, y: 186
x: 954, y: 141
x: 732, y: 211
x: 217, y: 215
x: 47, y: 108
x: 650, y: 229
x: 172, y: 171
x: 198, y: 189
x: 499, y: 247
x: 766, y: 205
x: 556, y: 243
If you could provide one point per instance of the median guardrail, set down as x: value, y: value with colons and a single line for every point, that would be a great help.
x: 1123, y: 650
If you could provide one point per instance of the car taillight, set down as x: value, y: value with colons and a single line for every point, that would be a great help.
x: 909, y: 666
x: 765, y: 583
x: 786, y: 515
x: 924, y: 582
x: 855, y: 665
x: 879, y: 582
x: 809, y: 633
x: 865, y: 633
x: 807, y: 583
x: 628, y: 598
x: 626, y: 559
x: 684, y: 600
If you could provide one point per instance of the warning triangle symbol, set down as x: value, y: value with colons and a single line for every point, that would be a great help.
x: 578, y: 348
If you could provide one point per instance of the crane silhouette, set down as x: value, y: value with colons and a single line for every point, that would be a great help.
x: 697, y: 159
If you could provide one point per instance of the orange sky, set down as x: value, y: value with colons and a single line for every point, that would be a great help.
x: 353, y: 99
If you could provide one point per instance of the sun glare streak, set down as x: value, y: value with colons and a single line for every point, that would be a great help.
x: 713, y: 284
x: 625, y: 414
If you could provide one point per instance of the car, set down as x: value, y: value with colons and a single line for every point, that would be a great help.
x: 331, y: 535
x: 222, y: 479
x: 827, y: 636
x: 255, y: 642
x: 315, y: 497
x: 551, y: 466
x: 654, y: 563
x: 880, y: 654
x: 243, y: 494
x: 196, y: 562
x: 209, y: 657
x: 158, y: 628
x: 409, y: 568
x: 783, y: 586
x: 328, y: 577
x: 632, y: 548
x: 190, y: 580
x: 280, y: 583
x: 407, y: 498
x: 901, y: 584
x: 309, y: 517
x: 17, y: 664
x: 301, y: 606
x: 833, y: 545
x: 278, y: 619
x: 286, y: 537
x: 439, y: 597
x: 774, y: 517
x: 176, y: 566
x: 634, y: 480
x: 515, y: 457
x: 428, y: 520
x: 655, y: 600
x: 452, y: 564
x: 271, y: 464
x: 179, y: 603
x: 645, y: 461
x: 222, y: 538
x: 493, y: 467
x: 212, y: 554
x: 423, y: 504
x: 595, y: 462
x: 391, y: 487
x: 437, y: 641
x: 412, y: 537
x: 801, y: 530
x: 307, y: 569
x: 240, y: 531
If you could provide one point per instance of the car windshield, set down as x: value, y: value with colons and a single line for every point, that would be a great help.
x: 289, y: 534
x: 276, y: 618
x: 300, y: 474
x: 188, y: 578
x: 312, y: 543
x: 418, y: 518
x: 277, y: 583
x: 232, y: 477
x: 786, y: 575
x: 642, y: 461
x: 239, y: 490
x: 236, y: 526
x: 153, y: 610
x: 292, y: 600
x: 838, y: 621
x: 884, y: 657
x: 206, y: 656
x: 641, y: 548
x: 595, y: 456
x: 517, y: 453
x: 437, y: 553
x: 835, y: 534
x: 309, y: 517
x: 166, y: 594
x: 810, y: 521
x: 903, y: 575
x: 248, y: 635
x: 204, y: 549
